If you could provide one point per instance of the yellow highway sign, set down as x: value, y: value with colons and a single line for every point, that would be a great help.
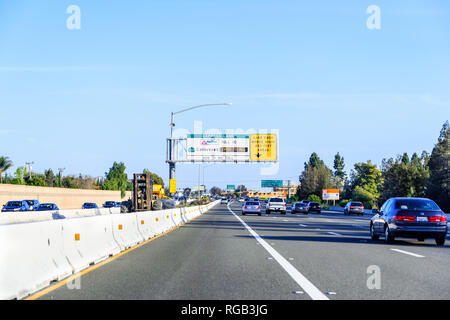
x: 263, y: 147
x: 173, y: 186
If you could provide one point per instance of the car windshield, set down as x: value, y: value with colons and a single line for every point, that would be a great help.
x: 252, y: 203
x: 415, y: 204
x: 89, y: 205
x: 276, y: 200
x: 110, y: 203
x: 14, y: 204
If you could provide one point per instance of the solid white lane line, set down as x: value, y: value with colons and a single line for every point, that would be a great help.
x: 304, y: 283
x: 302, y: 225
x: 409, y: 253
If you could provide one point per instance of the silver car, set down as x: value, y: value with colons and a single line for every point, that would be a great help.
x: 251, y: 207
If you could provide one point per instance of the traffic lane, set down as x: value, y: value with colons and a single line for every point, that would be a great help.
x: 208, y: 258
x: 340, y: 263
x: 427, y: 247
x: 340, y: 221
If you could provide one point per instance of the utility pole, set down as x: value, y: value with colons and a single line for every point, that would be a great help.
x: 29, y: 167
x: 59, y: 175
x: 289, y: 189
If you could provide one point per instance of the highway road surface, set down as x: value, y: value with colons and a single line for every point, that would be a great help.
x: 224, y: 255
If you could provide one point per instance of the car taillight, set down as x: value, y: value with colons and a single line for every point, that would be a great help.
x: 259, y: 208
x: 437, y: 219
x: 285, y: 204
x: 245, y: 207
x: 404, y: 218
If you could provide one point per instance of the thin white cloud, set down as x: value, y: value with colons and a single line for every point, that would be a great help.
x: 61, y: 68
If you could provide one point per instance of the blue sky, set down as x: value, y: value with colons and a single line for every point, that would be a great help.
x: 82, y: 99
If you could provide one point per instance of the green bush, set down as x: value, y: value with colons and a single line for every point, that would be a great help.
x: 314, y: 198
x: 343, y: 202
x: 367, y: 198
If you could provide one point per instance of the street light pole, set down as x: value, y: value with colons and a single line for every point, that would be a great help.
x: 171, y: 159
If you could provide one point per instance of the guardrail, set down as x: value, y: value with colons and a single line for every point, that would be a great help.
x: 39, y: 248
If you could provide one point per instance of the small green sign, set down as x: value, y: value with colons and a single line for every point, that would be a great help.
x: 231, y: 187
x: 271, y: 183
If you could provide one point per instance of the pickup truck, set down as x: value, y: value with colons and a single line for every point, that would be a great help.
x: 276, y: 204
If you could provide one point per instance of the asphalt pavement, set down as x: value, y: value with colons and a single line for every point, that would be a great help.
x: 224, y: 255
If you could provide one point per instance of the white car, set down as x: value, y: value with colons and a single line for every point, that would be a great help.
x: 276, y: 204
x: 251, y: 207
x: 224, y: 201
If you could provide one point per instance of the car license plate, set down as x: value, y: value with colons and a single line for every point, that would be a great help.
x: 422, y: 219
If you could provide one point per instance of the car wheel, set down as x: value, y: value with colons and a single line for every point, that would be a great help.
x: 267, y: 212
x: 259, y: 214
x: 421, y: 239
x: 243, y: 213
x: 440, y: 241
x: 387, y: 235
x: 372, y: 233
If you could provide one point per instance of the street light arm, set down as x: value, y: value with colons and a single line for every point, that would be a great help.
x: 202, y: 105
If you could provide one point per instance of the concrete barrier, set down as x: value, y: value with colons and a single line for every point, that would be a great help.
x: 147, y: 224
x: 125, y: 230
x: 31, y: 257
x: 39, y: 249
x: 35, y: 216
x: 88, y: 240
x: 177, y: 216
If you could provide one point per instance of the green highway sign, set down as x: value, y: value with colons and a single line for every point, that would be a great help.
x: 231, y: 187
x: 271, y: 183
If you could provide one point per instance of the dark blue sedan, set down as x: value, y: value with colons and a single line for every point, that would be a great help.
x: 47, y: 207
x: 89, y: 205
x: 16, y: 206
x: 418, y: 218
x: 109, y: 204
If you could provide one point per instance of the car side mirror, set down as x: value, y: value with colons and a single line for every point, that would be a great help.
x: 375, y: 211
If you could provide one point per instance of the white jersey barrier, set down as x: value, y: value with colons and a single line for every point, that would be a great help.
x: 34, y: 254
x: 125, y: 230
x: 88, y: 240
x: 31, y: 256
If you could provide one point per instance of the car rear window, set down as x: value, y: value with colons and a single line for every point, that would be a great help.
x: 415, y: 204
x: 300, y: 204
x: 276, y: 200
x: 356, y: 204
x: 45, y: 206
x: 30, y: 202
x: 313, y: 203
x: 252, y: 203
